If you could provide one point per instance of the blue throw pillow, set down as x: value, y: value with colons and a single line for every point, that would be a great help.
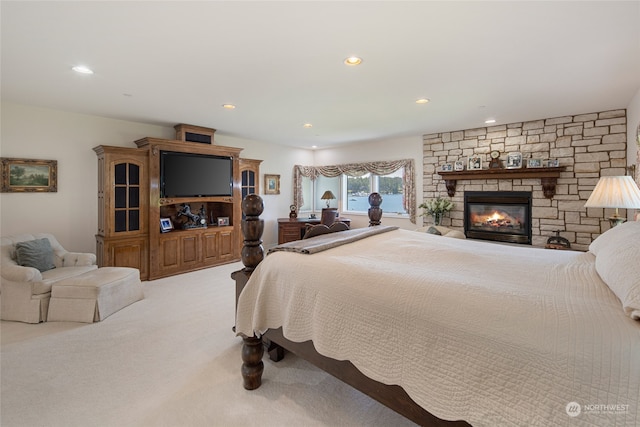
x: 35, y: 253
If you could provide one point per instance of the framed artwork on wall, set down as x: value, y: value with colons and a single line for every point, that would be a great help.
x: 271, y: 184
x: 458, y: 165
x: 29, y: 175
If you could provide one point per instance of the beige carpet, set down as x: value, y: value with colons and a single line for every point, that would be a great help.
x: 169, y: 360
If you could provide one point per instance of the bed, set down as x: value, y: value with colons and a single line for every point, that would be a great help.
x: 452, y: 331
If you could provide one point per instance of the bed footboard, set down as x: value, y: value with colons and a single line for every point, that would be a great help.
x: 253, y: 348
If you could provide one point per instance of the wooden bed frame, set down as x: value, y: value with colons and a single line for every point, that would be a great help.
x: 275, y: 343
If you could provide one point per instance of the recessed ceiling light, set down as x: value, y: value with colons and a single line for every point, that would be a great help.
x: 82, y: 69
x: 307, y: 125
x: 422, y: 101
x: 353, y: 60
x: 314, y: 146
x: 228, y: 106
x: 490, y: 121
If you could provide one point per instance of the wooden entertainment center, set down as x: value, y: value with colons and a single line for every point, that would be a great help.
x: 130, y: 208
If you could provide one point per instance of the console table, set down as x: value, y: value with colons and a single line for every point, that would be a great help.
x: 294, y: 229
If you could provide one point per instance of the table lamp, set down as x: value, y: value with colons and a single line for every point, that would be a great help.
x: 328, y: 195
x: 615, y: 192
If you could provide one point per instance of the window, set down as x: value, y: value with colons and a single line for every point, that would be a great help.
x: 352, y: 183
x: 357, y: 194
x: 390, y: 186
x: 312, y: 192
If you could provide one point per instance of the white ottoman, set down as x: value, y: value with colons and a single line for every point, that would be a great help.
x: 95, y: 295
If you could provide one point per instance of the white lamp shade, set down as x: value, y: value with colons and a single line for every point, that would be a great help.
x: 615, y: 192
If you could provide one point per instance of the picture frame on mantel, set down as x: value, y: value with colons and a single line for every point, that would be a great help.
x: 29, y: 175
x: 271, y: 184
x: 474, y: 163
x: 514, y: 160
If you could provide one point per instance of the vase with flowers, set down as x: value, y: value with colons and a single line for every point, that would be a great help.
x: 436, y: 208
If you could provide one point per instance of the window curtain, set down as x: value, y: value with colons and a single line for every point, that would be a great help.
x: 359, y: 169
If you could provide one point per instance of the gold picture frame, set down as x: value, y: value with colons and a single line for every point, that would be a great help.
x: 29, y: 175
x: 271, y: 184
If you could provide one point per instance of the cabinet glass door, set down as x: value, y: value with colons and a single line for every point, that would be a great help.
x: 248, y: 183
x: 126, y: 197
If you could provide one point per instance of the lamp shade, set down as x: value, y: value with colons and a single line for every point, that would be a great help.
x: 328, y: 195
x: 615, y: 192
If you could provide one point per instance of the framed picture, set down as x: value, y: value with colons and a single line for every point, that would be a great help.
x: 447, y: 167
x: 474, y: 163
x: 514, y: 160
x: 458, y: 165
x: 223, y: 220
x: 534, y: 163
x: 166, y: 225
x: 28, y: 175
x: 552, y: 163
x: 271, y: 184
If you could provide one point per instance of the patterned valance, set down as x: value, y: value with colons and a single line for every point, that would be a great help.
x: 359, y: 169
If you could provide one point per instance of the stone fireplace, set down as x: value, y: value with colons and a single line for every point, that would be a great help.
x: 587, y: 146
x: 503, y: 216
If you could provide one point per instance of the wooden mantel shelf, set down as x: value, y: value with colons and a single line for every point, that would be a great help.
x: 548, y: 177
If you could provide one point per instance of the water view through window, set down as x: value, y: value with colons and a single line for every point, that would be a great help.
x: 391, y: 203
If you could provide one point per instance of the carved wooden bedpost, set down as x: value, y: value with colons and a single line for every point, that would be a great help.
x: 252, y: 254
x: 252, y: 228
x: 375, y: 211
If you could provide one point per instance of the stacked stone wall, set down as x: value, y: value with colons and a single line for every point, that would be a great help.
x: 588, y: 145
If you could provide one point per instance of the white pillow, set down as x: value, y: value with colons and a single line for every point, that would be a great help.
x: 617, y: 254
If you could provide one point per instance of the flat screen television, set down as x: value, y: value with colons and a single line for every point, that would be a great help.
x: 195, y: 175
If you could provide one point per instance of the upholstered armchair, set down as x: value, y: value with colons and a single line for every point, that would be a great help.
x: 30, y: 265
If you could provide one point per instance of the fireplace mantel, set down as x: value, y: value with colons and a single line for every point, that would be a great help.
x: 548, y: 177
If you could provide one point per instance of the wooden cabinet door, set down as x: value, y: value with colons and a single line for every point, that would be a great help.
x: 226, y: 244
x: 210, y: 247
x: 129, y: 253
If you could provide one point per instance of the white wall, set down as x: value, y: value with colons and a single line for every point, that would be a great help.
x: 633, y: 128
x: 71, y: 212
x: 388, y: 149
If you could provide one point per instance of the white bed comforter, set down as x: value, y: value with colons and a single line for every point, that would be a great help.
x: 492, y: 334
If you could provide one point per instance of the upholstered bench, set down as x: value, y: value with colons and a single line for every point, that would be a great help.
x: 95, y: 295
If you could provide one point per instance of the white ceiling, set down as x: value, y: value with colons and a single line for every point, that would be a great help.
x: 281, y: 63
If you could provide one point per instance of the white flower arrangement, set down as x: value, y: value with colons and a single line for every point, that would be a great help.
x: 436, y: 206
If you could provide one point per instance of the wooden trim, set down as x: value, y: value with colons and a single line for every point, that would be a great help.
x: 548, y: 177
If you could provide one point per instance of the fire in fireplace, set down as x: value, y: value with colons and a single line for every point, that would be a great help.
x: 503, y: 216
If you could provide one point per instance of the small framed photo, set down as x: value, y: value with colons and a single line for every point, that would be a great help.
x: 223, y: 221
x: 552, y: 163
x: 474, y: 163
x: 514, y: 160
x: 534, y: 163
x: 447, y: 167
x: 271, y: 184
x: 458, y: 165
x: 166, y: 225
x: 29, y: 175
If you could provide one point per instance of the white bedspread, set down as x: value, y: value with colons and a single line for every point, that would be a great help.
x: 492, y: 334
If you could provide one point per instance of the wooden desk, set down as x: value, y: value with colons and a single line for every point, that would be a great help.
x: 294, y: 229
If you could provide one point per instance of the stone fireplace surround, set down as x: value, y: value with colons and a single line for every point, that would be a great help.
x: 588, y: 145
